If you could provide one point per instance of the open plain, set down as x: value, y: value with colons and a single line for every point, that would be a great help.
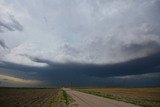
x: 147, y: 97
x: 25, y: 97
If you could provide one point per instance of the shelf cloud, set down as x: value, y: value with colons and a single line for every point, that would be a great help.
x: 96, y: 39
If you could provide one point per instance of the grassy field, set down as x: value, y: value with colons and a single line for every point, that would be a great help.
x: 147, y: 97
x: 25, y: 97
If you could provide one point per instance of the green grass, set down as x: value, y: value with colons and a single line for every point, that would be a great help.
x: 66, y: 97
x: 62, y: 99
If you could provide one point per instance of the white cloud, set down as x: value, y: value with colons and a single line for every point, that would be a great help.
x: 82, y: 31
x: 18, y: 55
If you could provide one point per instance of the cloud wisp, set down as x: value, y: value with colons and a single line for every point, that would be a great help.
x: 8, y: 21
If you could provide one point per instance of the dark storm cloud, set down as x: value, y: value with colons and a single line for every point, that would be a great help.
x: 11, y: 26
x: 137, y: 66
x: 142, y: 80
x: 84, y: 74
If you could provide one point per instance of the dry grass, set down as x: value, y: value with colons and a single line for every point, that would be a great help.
x: 147, y: 97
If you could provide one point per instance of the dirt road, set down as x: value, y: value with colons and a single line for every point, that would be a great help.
x: 87, y: 100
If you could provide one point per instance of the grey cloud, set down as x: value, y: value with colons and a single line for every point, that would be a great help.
x: 2, y: 44
x: 10, y: 25
x: 16, y: 25
x: 150, y: 46
x: 100, y: 32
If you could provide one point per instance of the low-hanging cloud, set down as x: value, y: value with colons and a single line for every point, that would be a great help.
x: 71, y: 74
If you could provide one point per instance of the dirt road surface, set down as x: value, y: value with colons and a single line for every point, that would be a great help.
x: 88, y: 100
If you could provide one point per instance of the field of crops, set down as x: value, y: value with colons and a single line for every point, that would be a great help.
x: 26, y: 97
x: 147, y: 97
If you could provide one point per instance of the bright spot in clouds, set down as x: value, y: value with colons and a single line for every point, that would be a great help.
x: 12, y: 79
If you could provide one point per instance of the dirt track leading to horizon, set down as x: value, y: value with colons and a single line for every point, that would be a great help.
x: 87, y: 100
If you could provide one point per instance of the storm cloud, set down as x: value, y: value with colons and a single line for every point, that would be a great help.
x: 61, y: 39
x: 71, y: 74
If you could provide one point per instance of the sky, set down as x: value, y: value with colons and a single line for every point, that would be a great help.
x: 54, y: 43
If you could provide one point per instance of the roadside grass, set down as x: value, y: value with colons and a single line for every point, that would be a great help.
x: 66, y: 97
x: 140, y: 102
x: 61, y: 100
